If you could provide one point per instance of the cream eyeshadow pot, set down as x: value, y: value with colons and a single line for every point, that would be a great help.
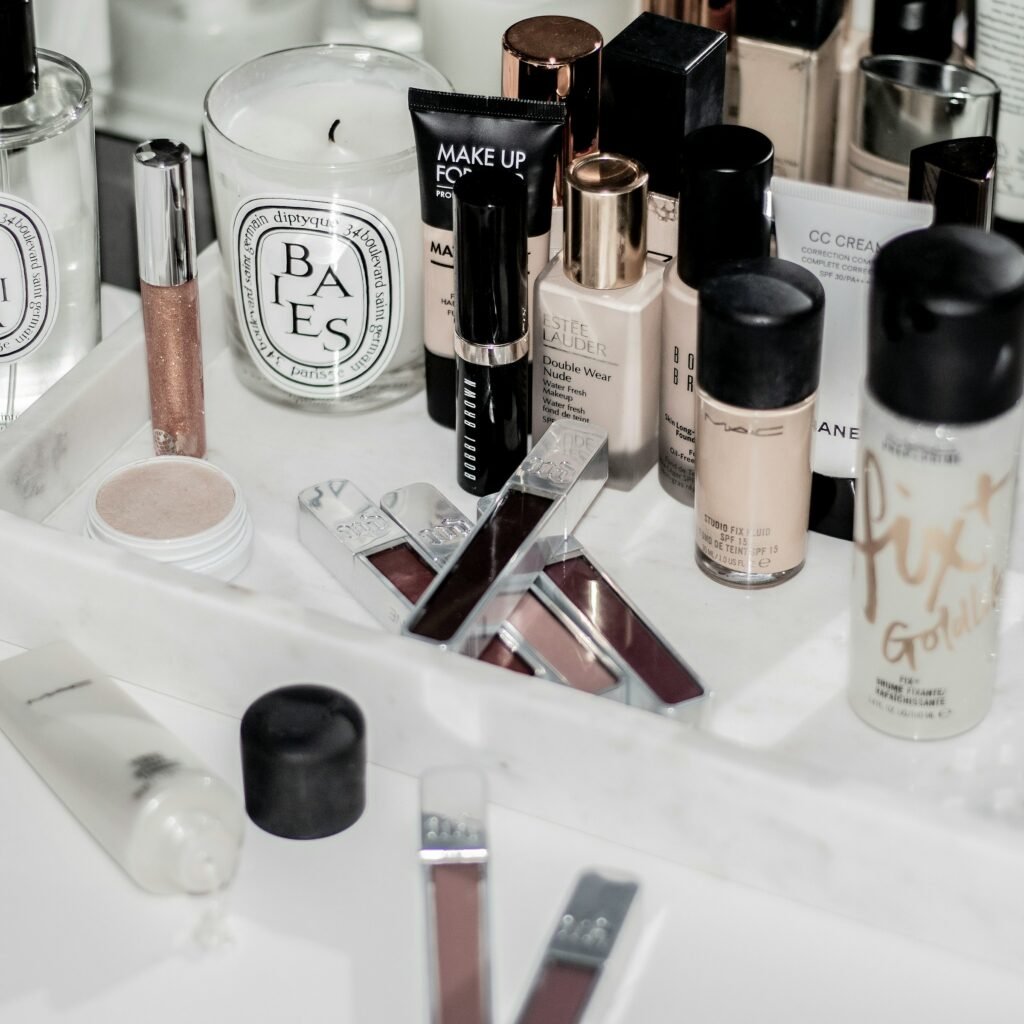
x: 177, y: 510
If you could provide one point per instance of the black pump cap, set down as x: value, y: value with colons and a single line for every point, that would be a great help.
x: 946, y: 325
x: 19, y: 74
x: 490, y: 256
x: 304, y: 761
x: 723, y: 214
x: 914, y: 28
x: 958, y: 177
x: 804, y: 24
x: 759, y: 334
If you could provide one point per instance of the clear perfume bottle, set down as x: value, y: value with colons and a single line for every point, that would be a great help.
x: 49, y: 256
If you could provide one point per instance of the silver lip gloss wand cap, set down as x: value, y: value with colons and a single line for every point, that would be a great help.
x: 164, y: 213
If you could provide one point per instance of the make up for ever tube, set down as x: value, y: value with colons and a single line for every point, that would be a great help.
x: 170, y: 296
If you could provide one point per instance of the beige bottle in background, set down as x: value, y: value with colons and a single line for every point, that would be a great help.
x: 726, y: 171
x: 597, y: 333
x: 856, y: 45
x: 759, y: 358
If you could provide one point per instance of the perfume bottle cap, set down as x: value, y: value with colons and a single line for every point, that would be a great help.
x: 605, y: 221
x: 19, y: 73
x: 907, y: 102
x: 723, y: 206
x: 914, y: 28
x: 946, y: 325
x: 804, y: 24
x: 958, y: 178
x: 164, y: 213
x: 554, y: 57
x: 662, y: 79
x: 304, y: 761
x: 490, y: 256
x: 759, y: 334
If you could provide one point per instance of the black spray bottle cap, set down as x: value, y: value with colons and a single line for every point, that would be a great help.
x: 490, y: 256
x: 914, y: 28
x: 759, y: 334
x: 19, y: 75
x: 958, y: 177
x: 946, y: 326
x: 724, y: 212
x: 803, y: 24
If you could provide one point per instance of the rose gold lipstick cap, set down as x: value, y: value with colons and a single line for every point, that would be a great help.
x: 605, y: 221
x: 554, y: 57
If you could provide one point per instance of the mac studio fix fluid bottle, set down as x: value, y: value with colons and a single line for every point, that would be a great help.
x: 724, y: 216
x: 492, y: 341
x: 758, y: 364
x: 49, y: 257
x: 596, y: 351
x: 936, y: 479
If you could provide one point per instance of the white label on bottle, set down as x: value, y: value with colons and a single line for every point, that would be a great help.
x: 28, y: 279
x: 318, y: 291
x: 999, y: 51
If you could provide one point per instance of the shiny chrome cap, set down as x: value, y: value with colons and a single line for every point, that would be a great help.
x: 164, y: 213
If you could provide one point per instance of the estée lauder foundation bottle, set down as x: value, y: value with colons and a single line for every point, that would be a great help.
x: 596, y: 347
x: 758, y: 363
x: 936, y: 479
x: 788, y: 55
x: 724, y: 216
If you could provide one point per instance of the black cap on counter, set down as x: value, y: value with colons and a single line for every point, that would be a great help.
x: 19, y: 74
x: 723, y: 213
x: 661, y: 80
x: 914, y: 28
x: 490, y: 256
x: 804, y: 24
x: 958, y: 177
x: 759, y: 334
x: 946, y: 327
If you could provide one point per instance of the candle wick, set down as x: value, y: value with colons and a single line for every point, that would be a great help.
x: 334, y: 128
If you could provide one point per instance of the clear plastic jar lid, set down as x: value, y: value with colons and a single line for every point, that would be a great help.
x: 177, y: 510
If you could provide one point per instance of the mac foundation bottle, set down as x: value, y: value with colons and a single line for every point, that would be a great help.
x: 597, y: 337
x: 936, y: 480
x: 683, y: 65
x: 724, y: 217
x: 759, y: 358
x: 788, y: 54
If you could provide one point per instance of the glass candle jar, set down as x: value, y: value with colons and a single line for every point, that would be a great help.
x: 316, y: 199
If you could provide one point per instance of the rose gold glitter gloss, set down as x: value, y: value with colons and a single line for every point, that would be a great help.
x: 170, y: 297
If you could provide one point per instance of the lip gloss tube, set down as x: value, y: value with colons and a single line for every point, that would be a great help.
x: 537, y: 509
x: 589, y: 929
x: 170, y: 296
x: 492, y: 340
x: 453, y: 852
x: 555, y: 644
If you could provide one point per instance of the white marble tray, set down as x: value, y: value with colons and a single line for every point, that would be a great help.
x: 783, y: 788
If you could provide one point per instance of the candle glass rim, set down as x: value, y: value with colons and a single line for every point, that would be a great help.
x: 342, y: 165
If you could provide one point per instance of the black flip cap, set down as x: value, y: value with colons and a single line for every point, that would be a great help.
x: 804, y: 24
x: 304, y: 761
x: 661, y: 80
x: 914, y: 28
x: 19, y: 75
x: 759, y: 334
x: 490, y: 256
x: 946, y: 327
x: 957, y: 176
x: 723, y: 215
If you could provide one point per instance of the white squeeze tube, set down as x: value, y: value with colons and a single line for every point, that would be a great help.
x: 835, y: 234
x: 170, y: 823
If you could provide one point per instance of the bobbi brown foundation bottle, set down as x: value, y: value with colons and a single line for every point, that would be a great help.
x: 936, y: 480
x: 596, y: 349
x: 683, y: 66
x: 758, y: 363
x: 788, y: 55
x: 724, y: 217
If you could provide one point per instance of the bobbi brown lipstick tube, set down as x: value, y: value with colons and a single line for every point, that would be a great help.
x: 170, y: 296
x: 492, y: 342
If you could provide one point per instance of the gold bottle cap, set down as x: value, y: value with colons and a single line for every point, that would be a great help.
x: 554, y: 57
x: 605, y: 221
